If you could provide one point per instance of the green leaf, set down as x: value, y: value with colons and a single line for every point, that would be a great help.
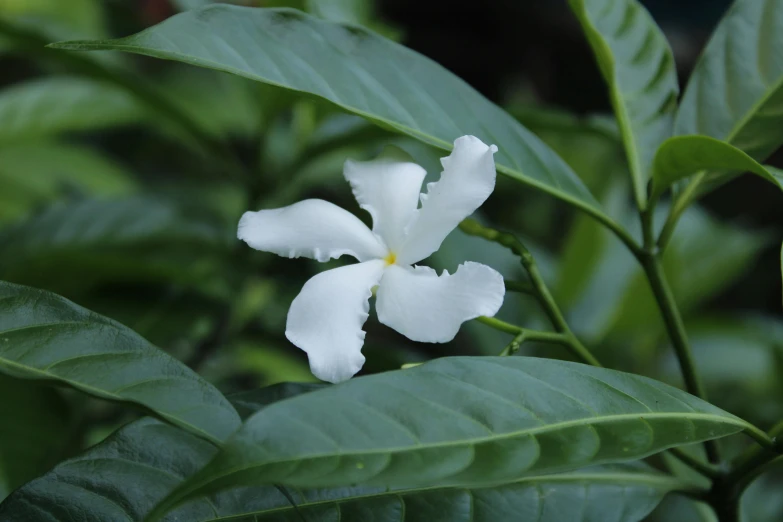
x: 637, y: 64
x: 52, y: 105
x: 342, y: 11
x: 735, y: 93
x: 359, y: 71
x: 458, y: 421
x: 683, y: 156
x: 155, y: 458
x: 73, y: 246
x: 35, y: 173
x: 46, y: 337
x: 34, y: 433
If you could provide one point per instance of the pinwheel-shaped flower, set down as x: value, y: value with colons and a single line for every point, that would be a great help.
x: 325, y: 319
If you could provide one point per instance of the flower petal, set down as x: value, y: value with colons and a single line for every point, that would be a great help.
x: 311, y: 228
x: 467, y: 180
x: 389, y: 190
x: 325, y: 319
x: 424, y: 307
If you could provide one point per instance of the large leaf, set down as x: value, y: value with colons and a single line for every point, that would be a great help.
x: 360, y: 72
x: 36, y: 173
x: 458, y: 421
x: 72, y: 246
x: 735, y: 93
x: 637, y: 64
x: 681, y: 156
x: 46, y: 337
x: 35, y: 430
x: 53, y: 105
x: 155, y: 458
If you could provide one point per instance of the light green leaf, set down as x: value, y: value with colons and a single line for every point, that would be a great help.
x: 359, y: 71
x: 735, y: 93
x: 155, y: 458
x: 72, y: 246
x: 35, y: 173
x: 460, y: 420
x: 53, y: 105
x: 34, y: 433
x: 682, y: 156
x: 637, y: 64
x: 46, y: 337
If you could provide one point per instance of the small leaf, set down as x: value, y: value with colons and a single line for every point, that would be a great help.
x: 52, y: 105
x: 359, y: 71
x: 34, y: 432
x: 155, y: 458
x: 735, y: 93
x: 46, y: 337
x: 683, y: 156
x: 637, y: 64
x: 461, y: 420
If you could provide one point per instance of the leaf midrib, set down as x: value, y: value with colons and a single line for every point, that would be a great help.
x: 44, y: 375
x: 668, y: 482
x: 479, y: 440
x: 509, y: 171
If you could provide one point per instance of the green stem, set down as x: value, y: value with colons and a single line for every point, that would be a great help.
x: 540, y: 290
x: 758, y: 456
x: 653, y: 267
x: 705, y: 469
x: 529, y: 335
x: 678, y: 207
x: 679, y: 339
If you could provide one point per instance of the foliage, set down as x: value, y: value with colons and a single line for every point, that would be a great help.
x: 169, y: 392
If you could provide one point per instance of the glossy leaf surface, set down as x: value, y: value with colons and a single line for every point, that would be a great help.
x: 46, y: 337
x: 359, y: 71
x: 682, y: 156
x: 156, y: 457
x: 497, y: 419
x: 735, y: 93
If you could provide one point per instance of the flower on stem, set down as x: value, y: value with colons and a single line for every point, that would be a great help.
x: 326, y: 318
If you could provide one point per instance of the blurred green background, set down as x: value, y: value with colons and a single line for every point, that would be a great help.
x: 122, y: 180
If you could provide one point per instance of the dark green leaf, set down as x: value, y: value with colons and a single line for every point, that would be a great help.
x: 46, y: 337
x: 75, y: 245
x: 359, y: 71
x: 637, y: 64
x: 735, y: 93
x: 249, y: 402
x: 155, y: 458
x: 683, y: 156
x: 461, y: 420
x: 52, y: 105
x: 35, y: 422
x: 32, y: 174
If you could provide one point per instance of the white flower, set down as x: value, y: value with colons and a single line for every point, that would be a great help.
x: 325, y: 320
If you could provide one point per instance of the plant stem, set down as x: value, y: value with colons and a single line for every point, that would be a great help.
x: 653, y: 267
x: 679, y: 339
x: 532, y: 335
x: 540, y: 290
x: 705, y: 469
x: 678, y: 207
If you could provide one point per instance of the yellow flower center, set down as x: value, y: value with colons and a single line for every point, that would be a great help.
x: 391, y: 258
